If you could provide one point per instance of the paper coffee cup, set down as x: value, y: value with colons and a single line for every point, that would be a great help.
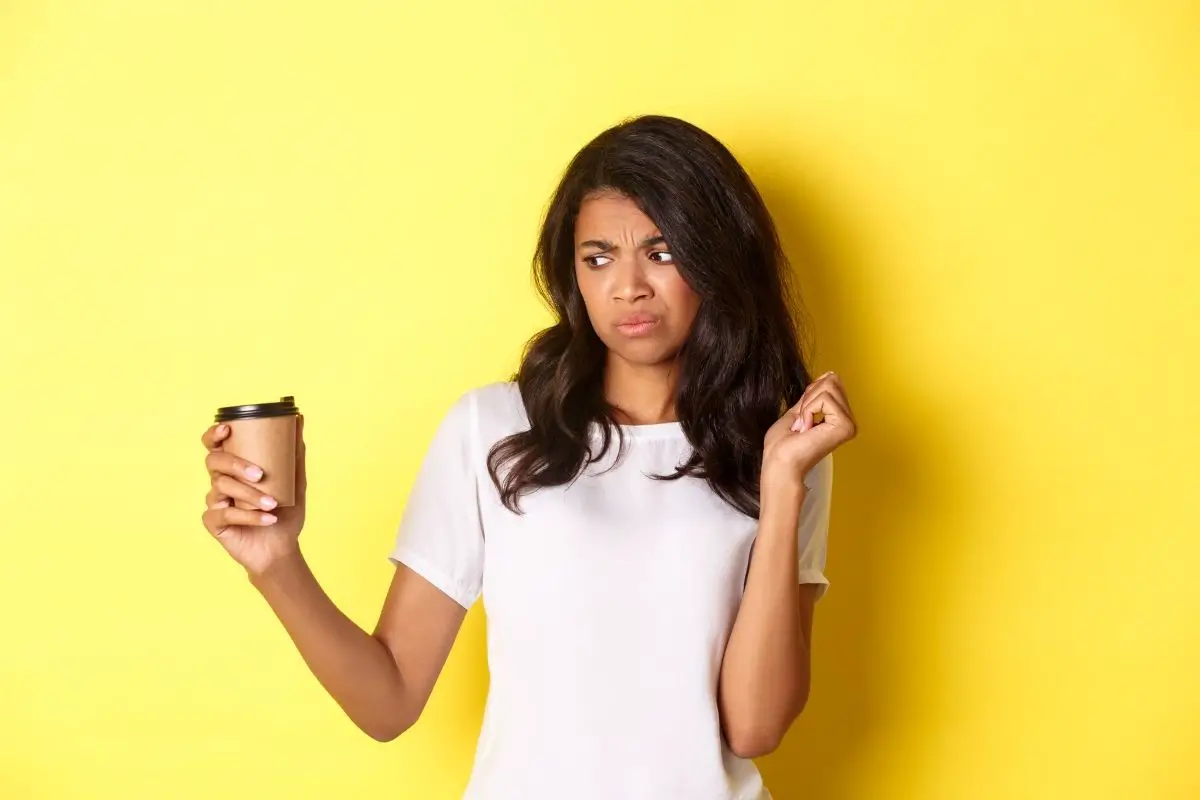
x: 265, y: 435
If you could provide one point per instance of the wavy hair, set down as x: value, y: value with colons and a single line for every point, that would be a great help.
x: 741, y: 364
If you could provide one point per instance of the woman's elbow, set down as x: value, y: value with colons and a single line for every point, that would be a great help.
x: 758, y: 738
x: 383, y: 735
x: 753, y: 743
x: 388, y: 729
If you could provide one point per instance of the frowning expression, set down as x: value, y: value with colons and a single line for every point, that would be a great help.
x: 638, y: 303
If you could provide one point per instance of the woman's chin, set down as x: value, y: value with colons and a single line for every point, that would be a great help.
x: 644, y: 353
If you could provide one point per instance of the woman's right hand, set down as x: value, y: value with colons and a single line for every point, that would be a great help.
x: 255, y: 539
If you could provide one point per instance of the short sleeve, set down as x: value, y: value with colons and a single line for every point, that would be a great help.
x: 440, y: 536
x: 814, y: 524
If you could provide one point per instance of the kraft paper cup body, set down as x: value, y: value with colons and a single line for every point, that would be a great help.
x: 270, y: 443
x: 265, y: 434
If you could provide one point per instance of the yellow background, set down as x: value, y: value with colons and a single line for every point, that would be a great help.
x: 995, y: 212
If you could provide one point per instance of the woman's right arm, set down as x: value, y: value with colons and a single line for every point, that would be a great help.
x: 381, y: 680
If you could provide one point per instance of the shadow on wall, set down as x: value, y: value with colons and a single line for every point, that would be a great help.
x: 875, y: 474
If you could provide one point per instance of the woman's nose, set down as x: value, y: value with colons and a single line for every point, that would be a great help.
x: 629, y: 282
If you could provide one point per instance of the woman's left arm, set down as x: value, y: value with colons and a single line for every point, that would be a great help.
x: 764, y: 678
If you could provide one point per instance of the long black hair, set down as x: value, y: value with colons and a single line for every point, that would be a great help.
x: 741, y: 364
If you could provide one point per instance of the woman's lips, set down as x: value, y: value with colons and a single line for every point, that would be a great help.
x: 636, y: 328
x: 637, y: 324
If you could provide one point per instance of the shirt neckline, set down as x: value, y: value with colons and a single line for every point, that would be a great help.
x: 657, y: 430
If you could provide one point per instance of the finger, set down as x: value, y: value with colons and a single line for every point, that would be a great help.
x: 798, y: 422
x: 832, y: 391
x: 214, y: 499
x: 836, y: 417
x: 212, y: 438
x: 804, y: 420
x: 824, y: 376
x: 813, y: 386
x: 833, y: 385
x: 249, y: 496
x: 218, y: 520
x: 823, y: 404
x: 829, y: 382
x: 222, y: 463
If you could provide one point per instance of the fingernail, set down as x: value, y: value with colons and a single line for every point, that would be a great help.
x: 798, y: 424
x: 268, y: 519
x: 254, y: 473
x: 221, y: 429
x: 268, y: 503
x: 221, y: 504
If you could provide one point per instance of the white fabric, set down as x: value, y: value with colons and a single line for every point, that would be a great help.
x: 609, y: 602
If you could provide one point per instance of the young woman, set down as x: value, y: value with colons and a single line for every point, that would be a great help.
x: 644, y: 509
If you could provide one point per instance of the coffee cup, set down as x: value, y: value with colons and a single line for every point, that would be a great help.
x: 265, y: 435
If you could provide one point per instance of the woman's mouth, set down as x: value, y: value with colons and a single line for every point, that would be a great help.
x: 637, y: 324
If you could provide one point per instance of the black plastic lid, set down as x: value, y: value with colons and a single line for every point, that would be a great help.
x: 285, y: 407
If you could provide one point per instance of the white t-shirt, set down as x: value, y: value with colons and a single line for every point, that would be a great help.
x: 609, y: 602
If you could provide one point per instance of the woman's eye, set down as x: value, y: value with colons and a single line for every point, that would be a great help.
x: 662, y: 257
x: 596, y: 261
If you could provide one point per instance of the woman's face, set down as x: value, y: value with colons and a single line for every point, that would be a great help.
x: 638, y: 303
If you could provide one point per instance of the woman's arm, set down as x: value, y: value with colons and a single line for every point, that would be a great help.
x: 382, y: 681
x: 765, y: 672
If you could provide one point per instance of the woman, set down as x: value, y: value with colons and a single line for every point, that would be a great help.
x: 644, y: 509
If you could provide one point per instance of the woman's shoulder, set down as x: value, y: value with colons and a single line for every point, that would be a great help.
x: 499, y: 397
x: 496, y: 409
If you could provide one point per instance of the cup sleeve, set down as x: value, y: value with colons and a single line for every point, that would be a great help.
x: 440, y: 536
x: 813, y: 530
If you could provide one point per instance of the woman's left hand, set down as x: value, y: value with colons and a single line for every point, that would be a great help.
x: 798, y: 439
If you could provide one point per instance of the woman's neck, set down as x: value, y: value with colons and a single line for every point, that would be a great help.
x: 641, y: 394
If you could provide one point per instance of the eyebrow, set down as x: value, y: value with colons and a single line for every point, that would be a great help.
x: 605, y: 246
